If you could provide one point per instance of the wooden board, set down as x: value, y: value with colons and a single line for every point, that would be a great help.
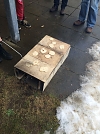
x: 53, y: 60
x: 34, y: 70
x: 38, y: 55
x: 46, y: 42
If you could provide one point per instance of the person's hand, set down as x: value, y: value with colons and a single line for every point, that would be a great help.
x: 0, y: 39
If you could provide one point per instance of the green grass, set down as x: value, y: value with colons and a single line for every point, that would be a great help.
x: 23, y: 110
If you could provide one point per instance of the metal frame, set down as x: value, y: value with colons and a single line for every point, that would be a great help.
x: 12, y: 19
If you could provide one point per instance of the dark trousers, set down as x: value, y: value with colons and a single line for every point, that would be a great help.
x: 63, y: 5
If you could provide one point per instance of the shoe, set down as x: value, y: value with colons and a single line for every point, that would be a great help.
x: 78, y: 23
x: 0, y: 59
x: 24, y: 23
x: 19, y: 28
x: 62, y: 11
x: 5, y: 54
x: 54, y: 9
x: 88, y: 30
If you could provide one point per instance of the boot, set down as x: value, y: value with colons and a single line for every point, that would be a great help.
x: 5, y: 54
x: 88, y: 30
x: 78, y: 23
x: 62, y: 11
x: 54, y: 9
x: 24, y: 23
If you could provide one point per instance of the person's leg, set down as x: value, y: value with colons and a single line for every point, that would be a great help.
x: 55, y: 6
x: 63, y: 5
x: 83, y: 12
x: 56, y: 3
x: 20, y: 9
x: 92, y: 14
x: 0, y: 59
x: 4, y: 54
x: 20, y: 13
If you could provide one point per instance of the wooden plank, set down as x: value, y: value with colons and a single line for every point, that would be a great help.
x: 47, y: 42
x: 55, y: 70
x: 34, y: 70
x: 37, y: 55
x: 53, y: 60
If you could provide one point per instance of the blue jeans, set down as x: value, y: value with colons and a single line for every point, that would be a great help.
x: 63, y: 5
x: 89, y: 9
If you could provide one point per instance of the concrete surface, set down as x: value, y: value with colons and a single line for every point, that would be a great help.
x: 67, y: 79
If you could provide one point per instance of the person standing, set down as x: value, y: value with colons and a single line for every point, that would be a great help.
x: 20, y: 13
x: 89, y: 9
x: 56, y: 4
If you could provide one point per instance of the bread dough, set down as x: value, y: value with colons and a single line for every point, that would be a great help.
x: 28, y: 64
x: 51, y: 39
x: 54, y: 42
x: 35, y: 53
x: 47, y: 56
x: 52, y: 53
x: 51, y: 45
x: 36, y: 62
x: 43, y: 50
x: 44, y: 69
x: 61, y: 46
x: 42, y: 26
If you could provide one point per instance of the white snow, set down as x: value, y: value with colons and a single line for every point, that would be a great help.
x: 80, y: 112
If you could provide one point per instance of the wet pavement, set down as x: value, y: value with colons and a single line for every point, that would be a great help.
x: 67, y: 78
